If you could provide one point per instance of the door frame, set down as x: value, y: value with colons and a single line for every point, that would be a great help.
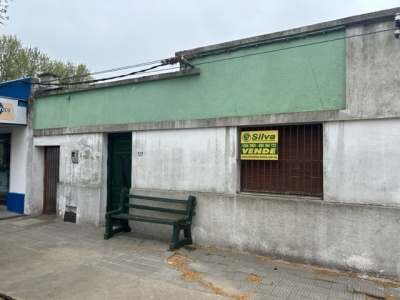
x: 45, y: 179
x: 6, y: 137
x: 110, y: 148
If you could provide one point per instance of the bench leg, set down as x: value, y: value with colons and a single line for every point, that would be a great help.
x: 109, y: 229
x: 175, y: 238
x: 187, y: 234
x: 125, y: 226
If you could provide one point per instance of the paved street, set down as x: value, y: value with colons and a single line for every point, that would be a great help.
x: 42, y: 258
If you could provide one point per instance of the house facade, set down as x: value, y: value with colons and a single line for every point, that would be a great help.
x: 289, y: 141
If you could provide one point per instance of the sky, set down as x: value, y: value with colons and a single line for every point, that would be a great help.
x: 105, y: 34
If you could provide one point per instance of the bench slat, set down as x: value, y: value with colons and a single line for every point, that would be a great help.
x: 145, y: 219
x: 170, y: 200
x: 155, y: 208
x: 118, y: 220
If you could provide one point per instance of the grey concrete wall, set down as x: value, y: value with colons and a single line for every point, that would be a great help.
x: 84, y: 200
x: 372, y: 75
x: 360, y: 167
x: 353, y: 237
x: 361, y: 161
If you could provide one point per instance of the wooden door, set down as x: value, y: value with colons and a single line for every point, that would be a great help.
x: 51, y: 178
x: 119, y: 167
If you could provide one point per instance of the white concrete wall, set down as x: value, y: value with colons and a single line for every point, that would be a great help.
x: 362, y: 162
x: 35, y: 173
x: 18, y: 159
x: 88, y: 170
x: 82, y: 185
x: 192, y: 159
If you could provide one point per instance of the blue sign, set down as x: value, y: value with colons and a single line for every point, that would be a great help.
x: 16, y: 89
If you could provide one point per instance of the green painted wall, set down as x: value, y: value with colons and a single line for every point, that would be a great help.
x: 300, y: 75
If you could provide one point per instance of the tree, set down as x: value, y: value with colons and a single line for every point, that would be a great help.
x: 17, y: 61
x: 3, y: 11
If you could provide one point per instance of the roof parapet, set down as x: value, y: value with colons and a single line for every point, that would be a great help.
x: 299, y: 32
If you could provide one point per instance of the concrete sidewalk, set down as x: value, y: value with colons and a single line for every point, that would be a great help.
x: 42, y: 258
x: 5, y: 214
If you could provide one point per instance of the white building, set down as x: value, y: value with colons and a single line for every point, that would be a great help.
x: 332, y: 195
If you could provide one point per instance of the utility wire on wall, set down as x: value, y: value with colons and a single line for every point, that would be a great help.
x: 196, y: 55
x: 286, y: 48
x: 185, y: 61
x: 100, y: 79
x: 164, y: 62
x: 115, y: 69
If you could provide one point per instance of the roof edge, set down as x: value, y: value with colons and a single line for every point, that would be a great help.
x: 372, y: 17
x: 136, y: 80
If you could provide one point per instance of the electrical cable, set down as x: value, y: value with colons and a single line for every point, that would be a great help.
x: 101, y: 79
x: 164, y: 62
x: 115, y: 69
x: 259, y: 53
x: 166, y: 69
x: 176, y: 60
x: 288, y: 48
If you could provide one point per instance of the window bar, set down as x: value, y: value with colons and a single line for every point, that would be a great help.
x: 280, y: 166
x: 304, y: 157
x: 312, y: 160
x: 320, y: 158
x: 259, y: 179
x: 293, y: 156
x: 297, y: 157
x: 289, y: 137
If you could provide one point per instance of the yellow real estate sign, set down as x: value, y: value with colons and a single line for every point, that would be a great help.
x: 259, y: 145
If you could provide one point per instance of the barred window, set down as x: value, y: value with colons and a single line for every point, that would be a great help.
x: 298, y: 170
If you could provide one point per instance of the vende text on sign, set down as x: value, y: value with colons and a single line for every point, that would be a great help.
x: 259, y: 145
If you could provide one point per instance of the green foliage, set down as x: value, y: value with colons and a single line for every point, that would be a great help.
x: 17, y: 61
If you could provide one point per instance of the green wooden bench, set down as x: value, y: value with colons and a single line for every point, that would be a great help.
x: 177, y: 213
